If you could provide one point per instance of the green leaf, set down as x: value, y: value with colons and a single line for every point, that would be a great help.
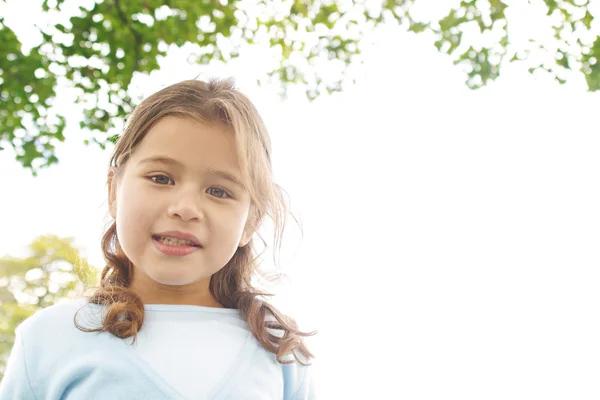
x: 587, y: 19
x: 417, y: 27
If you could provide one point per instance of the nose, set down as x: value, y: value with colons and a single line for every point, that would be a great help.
x: 186, y: 205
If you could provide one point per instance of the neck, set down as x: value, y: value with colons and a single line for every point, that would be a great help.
x: 152, y: 292
x: 192, y: 300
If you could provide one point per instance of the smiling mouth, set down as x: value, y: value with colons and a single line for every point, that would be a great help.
x: 175, y: 242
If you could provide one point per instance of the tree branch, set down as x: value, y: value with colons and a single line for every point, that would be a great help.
x: 136, y: 35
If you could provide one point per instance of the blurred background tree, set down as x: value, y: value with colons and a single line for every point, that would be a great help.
x: 100, y: 47
x: 53, y: 271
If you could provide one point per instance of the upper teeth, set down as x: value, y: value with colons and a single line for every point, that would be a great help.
x: 174, y: 241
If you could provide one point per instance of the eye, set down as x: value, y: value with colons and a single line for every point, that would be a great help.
x: 218, y: 192
x: 161, y: 179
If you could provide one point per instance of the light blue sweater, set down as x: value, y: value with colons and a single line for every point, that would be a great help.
x: 53, y: 360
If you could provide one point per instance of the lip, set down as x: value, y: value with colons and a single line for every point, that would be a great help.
x: 180, y: 235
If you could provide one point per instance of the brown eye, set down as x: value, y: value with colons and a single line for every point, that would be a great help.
x: 218, y: 192
x: 161, y: 179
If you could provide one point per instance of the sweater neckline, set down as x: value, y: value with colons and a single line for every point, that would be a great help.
x: 189, y: 308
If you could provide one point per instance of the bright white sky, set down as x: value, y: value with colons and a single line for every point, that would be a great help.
x: 451, y: 236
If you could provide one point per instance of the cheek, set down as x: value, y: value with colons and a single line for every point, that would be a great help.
x: 133, y: 212
x: 230, y: 229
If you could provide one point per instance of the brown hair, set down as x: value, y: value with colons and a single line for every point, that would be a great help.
x: 216, y: 101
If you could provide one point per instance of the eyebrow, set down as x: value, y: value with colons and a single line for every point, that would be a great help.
x: 211, y: 171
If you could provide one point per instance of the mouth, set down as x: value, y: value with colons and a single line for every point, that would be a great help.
x: 173, y: 241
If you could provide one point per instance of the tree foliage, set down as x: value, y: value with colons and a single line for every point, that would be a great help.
x: 105, y: 44
x: 53, y: 271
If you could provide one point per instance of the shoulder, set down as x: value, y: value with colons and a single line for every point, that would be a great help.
x: 54, y: 313
x: 50, y: 338
x: 55, y: 321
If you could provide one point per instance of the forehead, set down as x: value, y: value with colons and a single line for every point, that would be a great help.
x: 195, y: 145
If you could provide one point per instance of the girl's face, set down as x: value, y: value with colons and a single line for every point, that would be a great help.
x: 176, y: 182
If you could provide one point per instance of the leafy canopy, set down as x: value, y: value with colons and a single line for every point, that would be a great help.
x: 105, y: 43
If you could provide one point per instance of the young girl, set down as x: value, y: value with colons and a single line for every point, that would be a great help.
x: 189, y: 184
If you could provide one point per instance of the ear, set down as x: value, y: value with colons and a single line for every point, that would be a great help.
x: 246, y: 235
x: 251, y: 226
x: 112, y: 192
x: 245, y: 239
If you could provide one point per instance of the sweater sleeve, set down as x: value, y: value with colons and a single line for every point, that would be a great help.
x: 299, y: 382
x: 309, y: 385
x: 15, y: 384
